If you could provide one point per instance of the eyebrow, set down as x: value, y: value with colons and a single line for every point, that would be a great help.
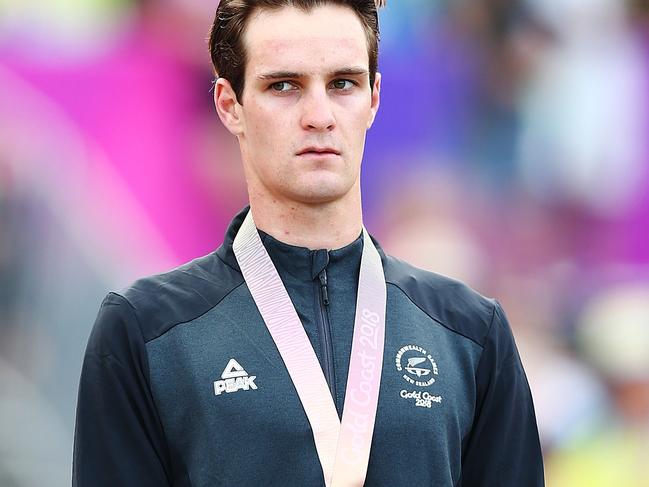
x: 352, y: 71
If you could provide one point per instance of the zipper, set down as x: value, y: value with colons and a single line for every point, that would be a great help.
x: 324, y: 294
x: 325, y: 333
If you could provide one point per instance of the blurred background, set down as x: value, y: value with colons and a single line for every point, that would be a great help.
x: 510, y: 152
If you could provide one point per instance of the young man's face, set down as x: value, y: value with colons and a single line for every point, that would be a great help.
x: 307, y: 103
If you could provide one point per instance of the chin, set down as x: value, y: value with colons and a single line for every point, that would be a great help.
x: 320, y: 193
x: 319, y: 197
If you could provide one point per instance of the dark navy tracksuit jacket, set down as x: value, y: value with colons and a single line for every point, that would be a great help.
x: 454, y: 406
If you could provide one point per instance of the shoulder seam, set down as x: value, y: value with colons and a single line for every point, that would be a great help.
x: 513, y: 354
x: 227, y: 263
x: 493, y: 317
x: 433, y: 318
x: 180, y: 322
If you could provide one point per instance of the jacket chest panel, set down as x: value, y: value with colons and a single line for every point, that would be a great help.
x: 427, y: 399
x: 221, y: 386
x: 223, y: 392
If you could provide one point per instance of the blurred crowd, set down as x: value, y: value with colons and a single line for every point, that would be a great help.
x: 510, y: 152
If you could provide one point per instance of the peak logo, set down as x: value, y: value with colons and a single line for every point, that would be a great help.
x: 234, y: 378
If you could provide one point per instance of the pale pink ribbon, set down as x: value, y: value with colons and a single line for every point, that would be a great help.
x: 343, y: 448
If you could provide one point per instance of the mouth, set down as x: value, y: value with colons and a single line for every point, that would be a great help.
x: 318, y: 151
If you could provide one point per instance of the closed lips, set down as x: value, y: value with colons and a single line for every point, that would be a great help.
x: 318, y: 150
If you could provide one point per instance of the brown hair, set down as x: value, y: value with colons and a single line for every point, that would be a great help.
x: 226, y: 35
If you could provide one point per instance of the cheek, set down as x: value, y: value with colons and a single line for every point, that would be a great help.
x: 355, y: 111
x: 267, y: 127
x: 354, y: 125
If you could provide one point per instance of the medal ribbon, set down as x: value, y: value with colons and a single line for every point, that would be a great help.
x: 343, y: 447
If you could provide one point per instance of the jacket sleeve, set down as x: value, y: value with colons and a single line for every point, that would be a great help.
x: 503, y: 448
x: 118, y: 436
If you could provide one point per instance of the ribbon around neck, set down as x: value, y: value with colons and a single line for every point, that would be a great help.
x: 343, y: 447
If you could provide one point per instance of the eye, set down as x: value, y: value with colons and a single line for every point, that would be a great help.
x: 343, y: 84
x: 282, y: 86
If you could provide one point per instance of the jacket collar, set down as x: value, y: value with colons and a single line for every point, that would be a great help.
x: 300, y: 262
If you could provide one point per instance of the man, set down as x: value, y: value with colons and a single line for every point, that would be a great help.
x: 261, y: 364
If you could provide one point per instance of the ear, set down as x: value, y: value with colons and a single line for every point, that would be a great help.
x: 228, y: 107
x: 376, y: 99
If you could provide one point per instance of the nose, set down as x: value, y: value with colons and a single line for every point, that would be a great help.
x: 317, y: 111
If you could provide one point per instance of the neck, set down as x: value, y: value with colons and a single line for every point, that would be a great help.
x: 329, y: 225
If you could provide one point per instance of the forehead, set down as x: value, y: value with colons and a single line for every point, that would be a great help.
x: 324, y: 38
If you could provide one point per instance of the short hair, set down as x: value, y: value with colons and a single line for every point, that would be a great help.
x: 226, y: 34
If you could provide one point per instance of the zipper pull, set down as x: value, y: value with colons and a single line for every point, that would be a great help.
x: 323, y: 287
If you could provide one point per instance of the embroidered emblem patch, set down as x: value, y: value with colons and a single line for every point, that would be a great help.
x: 418, y: 368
